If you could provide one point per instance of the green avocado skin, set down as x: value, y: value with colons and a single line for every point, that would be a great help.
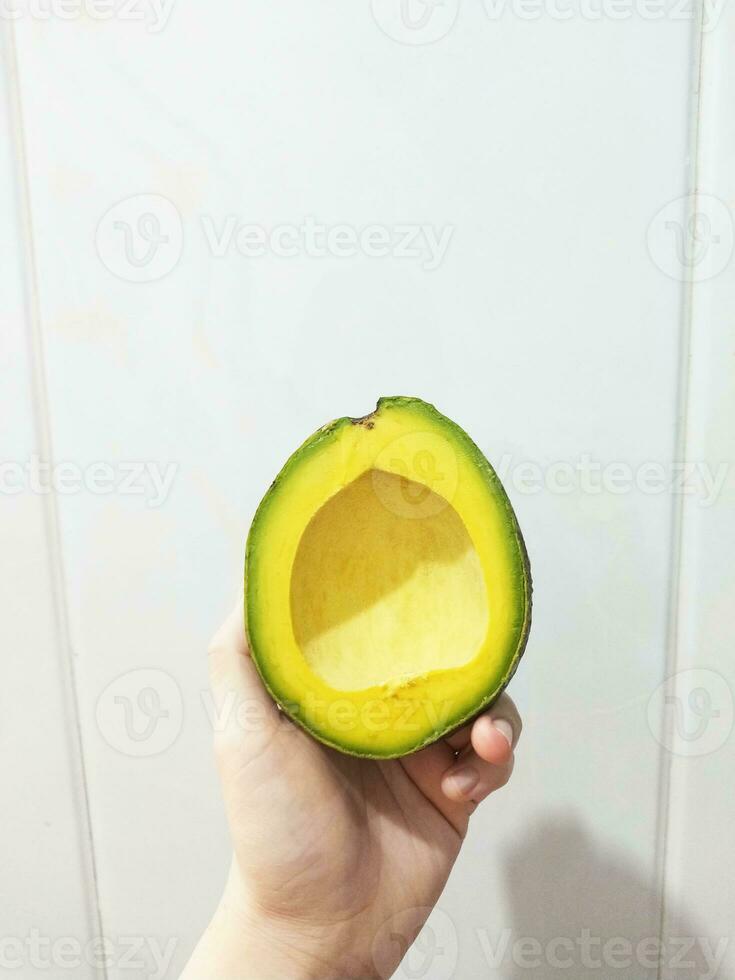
x: 312, y: 444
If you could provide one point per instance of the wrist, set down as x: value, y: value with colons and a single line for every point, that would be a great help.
x: 242, y: 944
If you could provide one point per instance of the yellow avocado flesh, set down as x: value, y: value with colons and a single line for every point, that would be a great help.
x: 380, y: 598
x: 387, y: 586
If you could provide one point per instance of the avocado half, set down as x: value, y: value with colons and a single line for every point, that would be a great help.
x: 387, y: 585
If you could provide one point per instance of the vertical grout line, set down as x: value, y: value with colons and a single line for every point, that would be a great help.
x: 42, y: 424
x: 681, y: 450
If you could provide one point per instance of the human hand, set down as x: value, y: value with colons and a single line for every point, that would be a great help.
x: 330, y: 850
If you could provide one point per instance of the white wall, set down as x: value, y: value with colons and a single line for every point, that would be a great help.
x: 47, y: 883
x: 557, y: 329
x: 700, y: 865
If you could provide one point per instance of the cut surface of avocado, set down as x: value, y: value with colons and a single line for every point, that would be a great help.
x: 387, y: 586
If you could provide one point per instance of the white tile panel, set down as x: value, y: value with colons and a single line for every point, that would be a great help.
x: 548, y: 330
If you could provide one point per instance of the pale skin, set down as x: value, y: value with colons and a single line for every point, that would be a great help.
x: 334, y: 857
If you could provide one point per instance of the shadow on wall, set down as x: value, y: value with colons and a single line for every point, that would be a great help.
x: 584, y: 912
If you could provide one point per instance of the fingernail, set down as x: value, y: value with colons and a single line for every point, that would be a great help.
x: 505, y: 729
x: 465, y: 780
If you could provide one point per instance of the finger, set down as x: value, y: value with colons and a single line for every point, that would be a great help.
x: 490, y: 734
x: 504, y: 709
x: 492, y: 740
x: 484, y: 747
x: 471, y: 779
x: 241, y: 703
x: 485, y: 758
x: 459, y: 739
x: 426, y: 768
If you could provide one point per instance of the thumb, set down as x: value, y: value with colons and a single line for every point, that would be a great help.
x: 245, y: 714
